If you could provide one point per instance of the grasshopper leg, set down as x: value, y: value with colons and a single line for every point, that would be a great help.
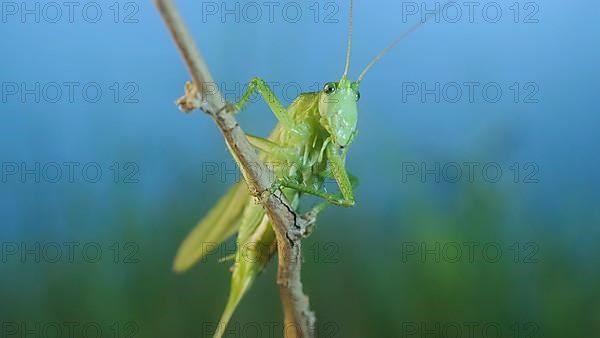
x: 338, y: 170
x: 327, y: 174
x: 264, y: 145
x: 353, y: 179
x: 258, y: 84
x: 336, y: 199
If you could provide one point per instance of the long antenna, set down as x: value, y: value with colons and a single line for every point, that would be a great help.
x: 349, y: 43
x: 396, y: 41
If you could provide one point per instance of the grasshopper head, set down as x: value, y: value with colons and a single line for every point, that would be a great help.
x: 338, y: 110
x: 337, y: 103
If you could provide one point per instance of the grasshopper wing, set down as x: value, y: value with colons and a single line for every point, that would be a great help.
x: 255, y: 246
x: 221, y: 222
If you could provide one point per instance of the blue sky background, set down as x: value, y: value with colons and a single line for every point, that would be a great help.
x: 557, y: 134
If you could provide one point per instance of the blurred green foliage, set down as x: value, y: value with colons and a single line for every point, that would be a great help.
x: 361, y: 270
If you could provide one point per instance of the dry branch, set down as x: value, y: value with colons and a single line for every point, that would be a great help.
x: 289, y: 228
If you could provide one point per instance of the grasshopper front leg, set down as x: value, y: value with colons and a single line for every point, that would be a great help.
x: 329, y: 197
x: 258, y: 84
x: 340, y: 174
x: 338, y: 171
x: 321, y: 206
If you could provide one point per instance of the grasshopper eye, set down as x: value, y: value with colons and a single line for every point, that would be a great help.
x: 357, y: 96
x: 329, y: 88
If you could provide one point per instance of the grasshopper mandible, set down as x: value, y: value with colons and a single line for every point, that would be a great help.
x: 308, y: 146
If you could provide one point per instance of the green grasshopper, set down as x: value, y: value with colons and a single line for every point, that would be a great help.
x: 308, y: 146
